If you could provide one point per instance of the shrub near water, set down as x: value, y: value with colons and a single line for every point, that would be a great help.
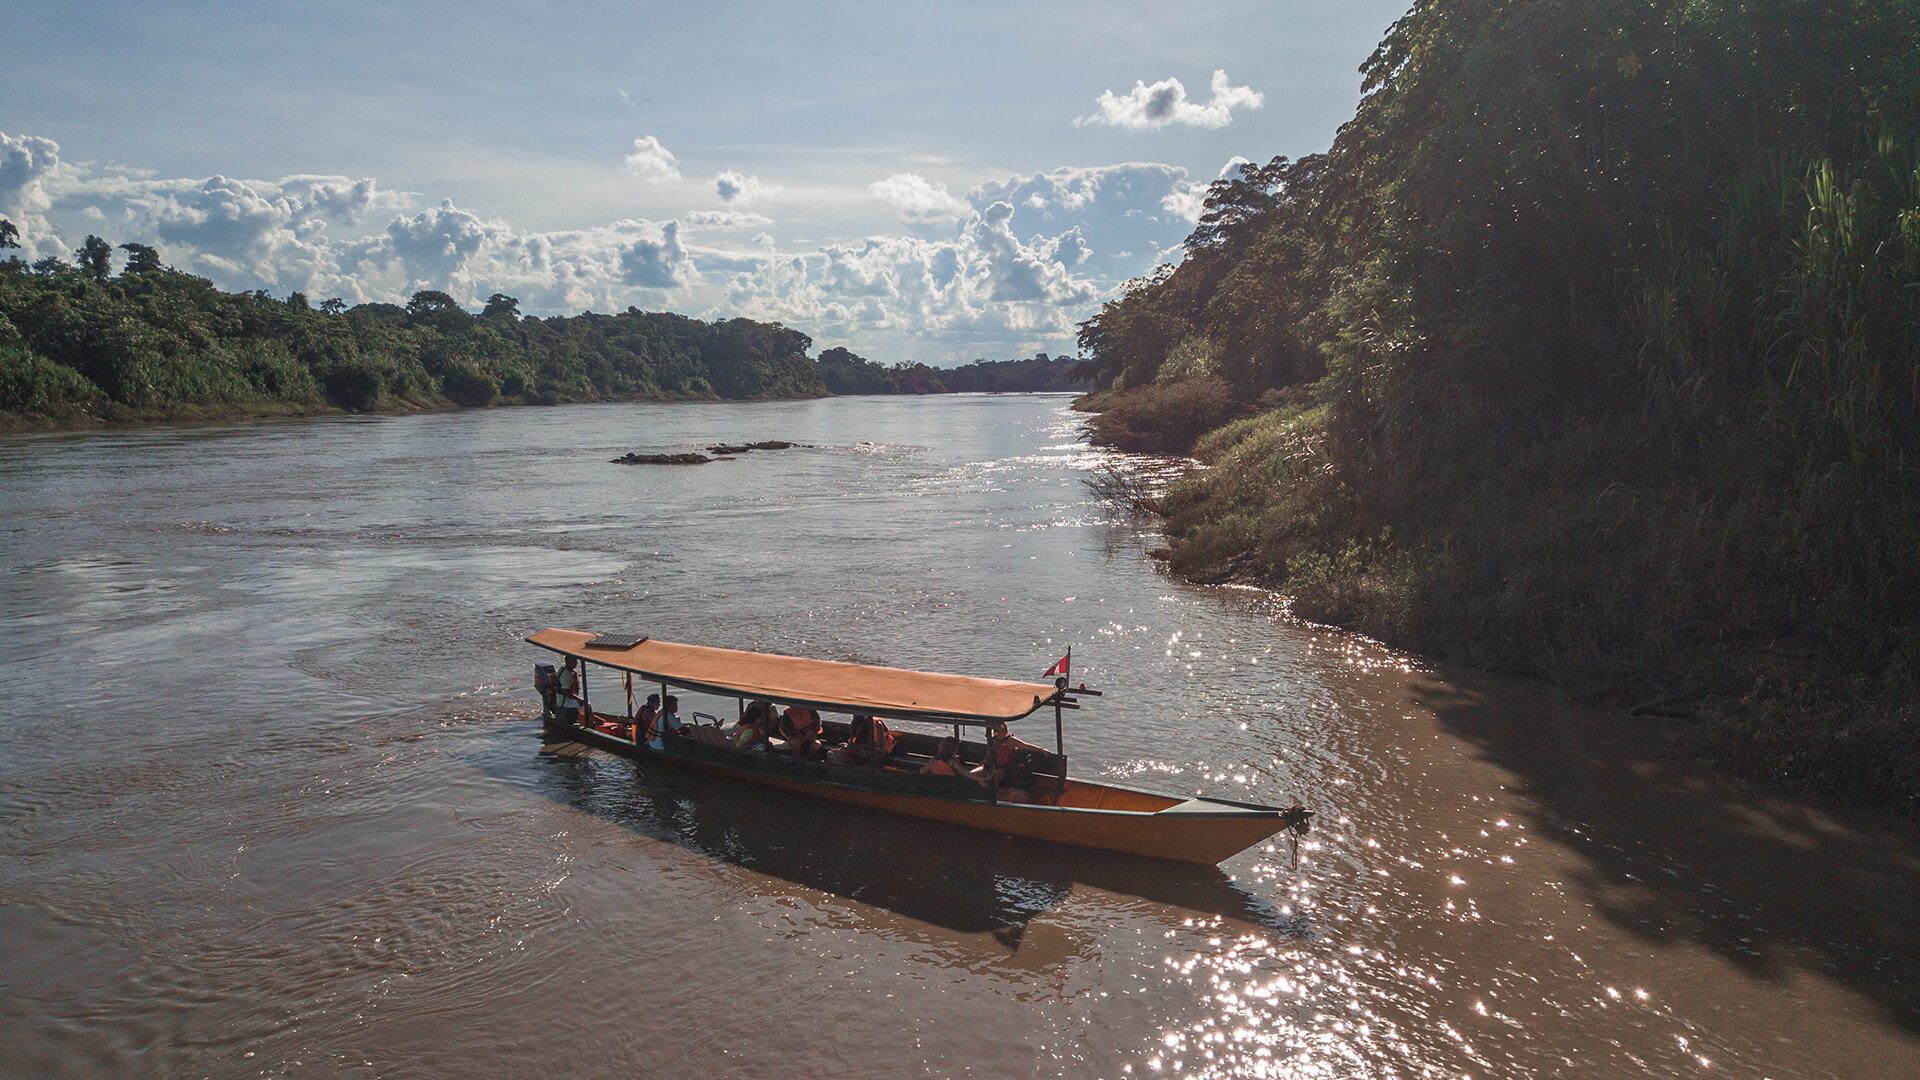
x: 464, y: 385
x: 1270, y: 506
x: 1164, y: 418
x: 35, y: 385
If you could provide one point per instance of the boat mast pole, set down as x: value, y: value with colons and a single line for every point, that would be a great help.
x: 1066, y: 674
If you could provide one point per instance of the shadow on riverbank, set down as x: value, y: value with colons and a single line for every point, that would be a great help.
x: 1673, y: 851
x: 961, y: 880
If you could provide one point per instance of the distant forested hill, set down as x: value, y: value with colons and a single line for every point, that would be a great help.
x: 848, y: 373
x: 153, y: 342
x: 79, y: 342
x: 1590, y: 350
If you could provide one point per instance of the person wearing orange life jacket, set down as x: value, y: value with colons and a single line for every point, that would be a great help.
x: 800, y: 727
x: 643, y: 722
x: 994, y: 773
x: 946, y: 759
x: 870, y: 744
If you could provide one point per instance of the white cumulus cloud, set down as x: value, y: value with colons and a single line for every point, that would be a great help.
x: 1132, y: 206
x: 657, y: 259
x: 738, y: 189
x: 436, y: 244
x: 1186, y: 201
x: 1166, y: 102
x: 983, y: 285
x: 726, y: 219
x: 919, y: 201
x: 26, y: 162
x: 652, y: 162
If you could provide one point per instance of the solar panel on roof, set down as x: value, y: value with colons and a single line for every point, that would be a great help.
x: 616, y: 641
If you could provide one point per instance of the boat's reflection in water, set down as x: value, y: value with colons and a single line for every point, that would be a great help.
x: 970, y: 882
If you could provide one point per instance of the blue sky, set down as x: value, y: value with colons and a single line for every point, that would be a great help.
x: 917, y: 181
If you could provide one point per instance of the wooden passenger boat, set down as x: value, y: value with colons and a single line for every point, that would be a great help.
x: 1056, y: 807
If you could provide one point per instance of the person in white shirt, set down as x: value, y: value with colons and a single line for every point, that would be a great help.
x: 572, y: 705
x: 669, y: 721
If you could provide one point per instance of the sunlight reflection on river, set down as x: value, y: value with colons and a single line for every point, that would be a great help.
x: 301, y: 824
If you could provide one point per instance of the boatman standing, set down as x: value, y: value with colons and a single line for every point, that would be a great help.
x: 571, y: 703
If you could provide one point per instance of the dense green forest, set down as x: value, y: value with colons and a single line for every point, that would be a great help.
x: 1589, y: 350
x: 79, y: 342
x: 848, y: 373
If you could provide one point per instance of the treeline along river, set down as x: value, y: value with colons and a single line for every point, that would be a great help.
x: 273, y: 801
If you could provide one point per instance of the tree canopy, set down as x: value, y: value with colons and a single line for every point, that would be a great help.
x: 95, y: 257
x: 155, y: 341
x: 1590, y: 348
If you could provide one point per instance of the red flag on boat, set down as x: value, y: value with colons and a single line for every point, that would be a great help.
x: 1061, y: 665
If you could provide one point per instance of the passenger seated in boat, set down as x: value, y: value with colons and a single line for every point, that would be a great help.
x: 572, y: 705
x: 751, y: 732
x: 643, y: 720
x: 749, y: 715
x: 997, y: 772
x: 800, y: 727
x: 870, y: 744
x: 946, y: 759
x: 669, y: 722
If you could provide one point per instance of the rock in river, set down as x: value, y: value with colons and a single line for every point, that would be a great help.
x: 662, y: 459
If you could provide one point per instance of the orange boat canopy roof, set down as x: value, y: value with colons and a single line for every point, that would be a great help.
x: 794, y: 680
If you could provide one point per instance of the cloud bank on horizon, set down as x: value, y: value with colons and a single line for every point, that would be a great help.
x: 1007, y: 267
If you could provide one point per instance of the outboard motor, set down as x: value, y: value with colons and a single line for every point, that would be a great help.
x: 546, y: 679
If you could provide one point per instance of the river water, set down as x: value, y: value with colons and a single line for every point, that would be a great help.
x: 273, y: 802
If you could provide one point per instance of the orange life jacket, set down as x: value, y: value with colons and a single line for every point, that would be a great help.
x: 800, y: 722
x: 1003, y: 752
x: 877, y: 735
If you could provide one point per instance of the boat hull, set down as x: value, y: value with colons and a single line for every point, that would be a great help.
x: 1193, y: 831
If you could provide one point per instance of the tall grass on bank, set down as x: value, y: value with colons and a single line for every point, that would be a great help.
x: 1786, y: 357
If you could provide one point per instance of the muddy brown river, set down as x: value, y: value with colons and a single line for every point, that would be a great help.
x: 273, y: 802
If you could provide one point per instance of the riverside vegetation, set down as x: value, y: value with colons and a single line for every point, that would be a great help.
x: 1590, y: 350
x: 80, y: 343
